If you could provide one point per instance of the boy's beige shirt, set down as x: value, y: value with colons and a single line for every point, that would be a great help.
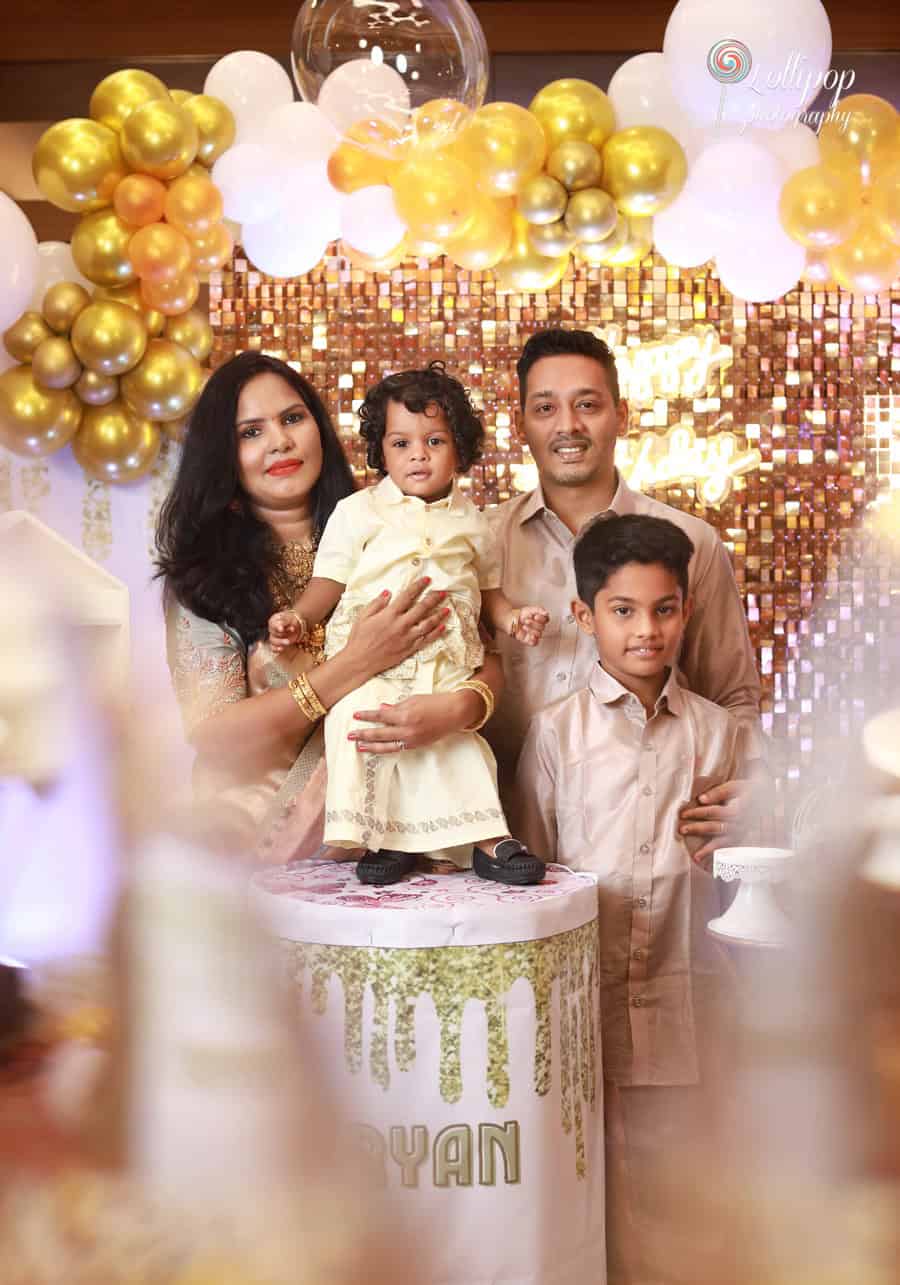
x: 598, y: 788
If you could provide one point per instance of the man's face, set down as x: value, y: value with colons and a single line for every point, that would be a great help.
x: 570, y: 420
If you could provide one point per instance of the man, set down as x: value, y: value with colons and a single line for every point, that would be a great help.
x: 571, y: 417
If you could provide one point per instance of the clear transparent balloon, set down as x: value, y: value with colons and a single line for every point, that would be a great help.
x: 385, y: 60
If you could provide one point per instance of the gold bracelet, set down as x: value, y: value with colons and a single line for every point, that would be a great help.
x: 476, y: 685
x: 304, y: 694
x: 514, y: 624
x: 301, y: 622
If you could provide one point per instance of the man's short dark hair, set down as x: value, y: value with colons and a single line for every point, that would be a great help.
x: 418, y: 390
x: 611, y: 543
x: 556, y: 342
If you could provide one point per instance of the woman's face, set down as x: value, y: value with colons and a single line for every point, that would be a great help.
x: 279, y: 448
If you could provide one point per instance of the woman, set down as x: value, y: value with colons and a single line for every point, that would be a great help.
x: 261, y: 471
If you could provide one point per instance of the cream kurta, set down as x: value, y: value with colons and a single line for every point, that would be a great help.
x: 599, y: 788
x: 441, y: 797
x: 717, y: 658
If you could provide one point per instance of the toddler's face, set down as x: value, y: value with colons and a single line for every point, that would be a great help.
x: 419, y: 451
x: 638, y: 621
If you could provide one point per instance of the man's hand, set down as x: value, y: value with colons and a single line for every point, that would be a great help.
x: 528, y: 624
x: 716, y: 816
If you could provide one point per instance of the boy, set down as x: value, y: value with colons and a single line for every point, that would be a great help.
x: 601, y: 779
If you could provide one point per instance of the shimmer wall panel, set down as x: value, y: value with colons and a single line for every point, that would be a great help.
x: 787, y: 433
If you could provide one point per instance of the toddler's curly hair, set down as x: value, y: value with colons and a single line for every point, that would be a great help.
x: 418, y: 390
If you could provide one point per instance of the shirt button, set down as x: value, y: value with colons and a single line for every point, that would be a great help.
x: 641, y: 903
x: 645, y: 848
x: 639, y: 954
x: 648, y: 746
x: 637, y: 1002
x: 570, y: 619
x: 647, y: 790
x: 417, y: 562
x: 427, y: 543
x: 561, y: 677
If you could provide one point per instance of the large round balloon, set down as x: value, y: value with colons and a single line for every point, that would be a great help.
x: 109, y: 338
x: 140, y: 200
x: 640, y: 94
x: 117, y: 96
x: 573, y: 109
x: 370, y: 222
x: 19, y: 261
x: 114, y: 444
x: 522, y: 268
x: 215, y: 123
x: 863, y: 139
x: 738, y: 184
x: 193, y: 332
x: 886, y: 203
x: 761, y: 264
x: 77, y: 164
x: 820, y: 208
x: 251, y: 85
x: 250, y: 178
x: 486, y: 237
x: 867, y: 261
x: 369, y: 155
x: 644, y: 169
x: 682, y: 233
x: 434, y: 199
x: 505, y: 147
x: 100, y: 249
x: 34, y: 420
x: 165, y: 384
x: 750, y: 64
x: 160, y: 139
x: 383, y: 62
x: 62, y: 304
x: 159, y: 252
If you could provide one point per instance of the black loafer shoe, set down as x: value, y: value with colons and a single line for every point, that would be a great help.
x: 385, y: 867
x: 511, y: 863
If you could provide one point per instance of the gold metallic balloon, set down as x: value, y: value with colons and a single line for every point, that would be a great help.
x: 159, y: 253
x: 368, y: 156
x: 131, y: 295
x: 54, y: 364
x: 864, y: 144
x: 628, y: 244
x: 180, y: 96
x: 213, y: 249
x: 62, y: 304
x: 422, y: 248
x: 369, y: 262
x: 160, y: 139
x: 523, y: 269
x: 117, y: 96
x: 193, y: 204
x: 171, y: 297
x: 551, y: 239
x: 486, y: 237
x: 575, y: 164
x: 25, y: 335
x: 114, y: 444
x: 820, y: 207
x: 77, y: 164
x: 35, y: 421
x: 886, y: 202
x: 591, y: 214
x: 644, y: 169
x: 139, y: 200
x: 109, y: 338
x: 100, y: 249
x: 504, y: 146
x: 434, y: 194
x: 215, y: 126
x: 542, y: 200
x: 97, y: 390
x: 193, y: 332
x: 574, y: 109
x: 165, y: 384
x: 867, y: 261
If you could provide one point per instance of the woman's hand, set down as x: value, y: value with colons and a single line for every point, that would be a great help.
x: 391, y: 629
x: 416, y: 721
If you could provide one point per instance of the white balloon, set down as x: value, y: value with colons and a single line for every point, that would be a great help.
x: 796, y: 147
x: 370, y: 222
x: 296, y: 239
x: 683, y: 233
x: 641, y: 95
x: 252, y: 84
x: 364, y: 90
x: 762, y: 265
x: 18, y: 261
x: 55, y: 264
x: 309, y: 194
x: 737, y: 183
x: 251, y: 180
x: 757, y: 63
x: 299, y: 130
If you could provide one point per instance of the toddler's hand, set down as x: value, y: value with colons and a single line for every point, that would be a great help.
x: 285, y: 630
x: 528, y: 624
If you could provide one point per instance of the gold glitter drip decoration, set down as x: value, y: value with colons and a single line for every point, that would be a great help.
x: 451, y: 976
x: 35, y: 482
x: 96, y: 521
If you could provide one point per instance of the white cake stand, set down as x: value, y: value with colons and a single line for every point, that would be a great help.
x: 754, y: 918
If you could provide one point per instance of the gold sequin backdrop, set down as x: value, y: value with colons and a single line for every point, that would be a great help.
x: 810, y: 385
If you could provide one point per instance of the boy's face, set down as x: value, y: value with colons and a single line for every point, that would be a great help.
x: 638, y: 621
x: 419, y: 451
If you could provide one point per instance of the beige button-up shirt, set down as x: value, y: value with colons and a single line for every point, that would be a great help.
x: 599, y: 786
x: 717, y: 658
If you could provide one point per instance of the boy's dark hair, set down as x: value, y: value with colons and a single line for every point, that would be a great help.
x: 556, y: 342
x: 417, y: 390
x: 611, y: 543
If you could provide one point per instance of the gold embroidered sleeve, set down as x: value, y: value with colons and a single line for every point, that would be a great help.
x: 207, y: 663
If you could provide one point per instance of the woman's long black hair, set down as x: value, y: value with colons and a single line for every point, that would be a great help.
x: 215, y: 555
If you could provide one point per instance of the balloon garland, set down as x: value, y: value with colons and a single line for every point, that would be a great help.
x: 110, y: 362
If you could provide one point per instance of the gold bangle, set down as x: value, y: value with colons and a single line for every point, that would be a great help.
x: 514, y: 623
x: 301, y: 622
x: 476, y: 685
x: 304, y: 694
